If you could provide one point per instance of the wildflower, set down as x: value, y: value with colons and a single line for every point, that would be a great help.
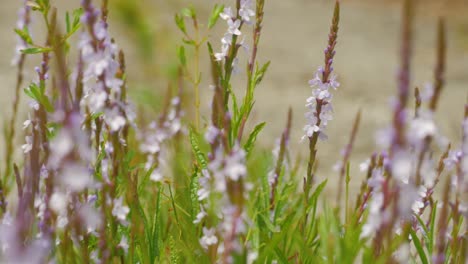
x: 60, y: 146
x: 245, y: 11
x: 231, y: 166
x: 235, y: 164
x: 211, y: 133
x: 402, y: 166
x: 421, y: 127
x: 320, y: 110
x: 364, y: 166
x: 209, y: 237
x: 27, y: 123
x: 226, y: 14
x: 27, y: 147
x: 375, y: 215
x: 58, y: 202
x: 156, y: 175
x: 123, y: 244
x: 76, y: 177
x: 233, y: 27
x: 115, y: 120
x: 92, y: 219
x: 202, y: 214
x: 119, y: 210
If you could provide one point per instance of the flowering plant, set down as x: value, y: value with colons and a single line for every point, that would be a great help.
x: 98, y: 184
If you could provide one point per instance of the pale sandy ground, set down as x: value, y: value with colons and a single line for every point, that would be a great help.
x: 294, y: 37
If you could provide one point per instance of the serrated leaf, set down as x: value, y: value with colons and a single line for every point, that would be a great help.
x: 193, y: 194
x: 253, y: 137
x: 196, y: 149
x: 215, y: 15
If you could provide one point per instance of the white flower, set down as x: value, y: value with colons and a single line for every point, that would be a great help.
x: 234, y: 27
x: 156, y: 175
x: 96, y: 100
x: 245, y: 11
x: 202, y: 214
x: 58, y: 203
x: 123, y: 244
x: 119, y: 210
x: 92, y: 219
x: 33, y: 104
x: 60, y: 146
x: 321, y: 95
x: 375, y: 216
x: 226, y: 14
x: 211, y: 133
x: 402, y: 166
x: 420, y: 128
x: 27, y: 123
x: 115, y: 120
x: 364, y: 166
x: 27, y: 147
x: 209, y: 238
x: 76, y: 177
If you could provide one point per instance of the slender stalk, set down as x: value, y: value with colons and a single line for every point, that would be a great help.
x: 329, y: 54
x: 347, y: 154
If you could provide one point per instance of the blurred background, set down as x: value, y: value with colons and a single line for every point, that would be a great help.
x: 294, y: 36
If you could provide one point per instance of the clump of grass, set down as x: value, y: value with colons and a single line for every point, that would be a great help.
x: 96, y: 184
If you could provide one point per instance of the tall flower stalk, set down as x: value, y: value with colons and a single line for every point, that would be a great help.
x: 319, y: 104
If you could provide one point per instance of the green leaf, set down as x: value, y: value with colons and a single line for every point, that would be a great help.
x: 77, y: 13
x: 189, y: 42
x: 318, y: 191
x: 260, y: 73
x: 182, y: 58
x: 33, y: 92
x: 46, y: 104
x: 193, y: 194
x: 269, y: 224
x: 281, y: 256
x: 419, y: 248
x: 155, y: 241
x: 24, y: 35
x: 179, y: 20
x: 67, y: 22
x: 253, y: 137
x: 196, y: 149
x: 215, y: 15
x: 188, y: 12
x: 432, y: 228
x: 35, y: 50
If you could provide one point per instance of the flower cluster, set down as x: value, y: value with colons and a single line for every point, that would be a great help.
x: 319, y: 105
x: 224, y: 180
x: 157, y: 134
x: 234, y: 22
